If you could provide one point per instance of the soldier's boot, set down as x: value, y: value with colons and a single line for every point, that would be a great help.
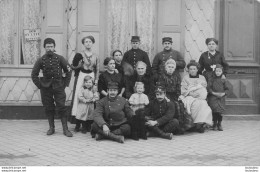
x: 84, y: 127
x: 214, y: 127
x: 219, y: 126
x: 111, y: 136
x: 77, y: 127
x: 51, y: 130
x: 162, y: 134
x: 66, y: 131
x: 117, y: 138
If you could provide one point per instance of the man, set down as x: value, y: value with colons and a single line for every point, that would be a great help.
x: 136, y: 54
x: 167, y: 53
x: 160, y: 116
x: 52, y: 84
x: 111, y: 116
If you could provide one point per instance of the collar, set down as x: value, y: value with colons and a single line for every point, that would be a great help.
x: 167, y: 50
x: 197, y: 76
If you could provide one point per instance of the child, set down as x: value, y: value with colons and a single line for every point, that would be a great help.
x: 87, y: 96
x: 217, y: 88
x: 138, y: 100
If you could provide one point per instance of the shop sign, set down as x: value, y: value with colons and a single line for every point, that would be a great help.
x: 32, y: 34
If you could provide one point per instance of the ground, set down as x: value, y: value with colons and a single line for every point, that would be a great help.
x: 25, y: 143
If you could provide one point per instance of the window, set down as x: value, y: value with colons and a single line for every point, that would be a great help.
x: 20, y: 22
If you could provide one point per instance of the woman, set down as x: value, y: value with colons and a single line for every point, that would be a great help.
x: 193, y: 95
x: 108, y: 76
x: 170, y: 78
x: 118, y: 56
x: 84, y: 63
x: 210, y: 58
x: 140, y: 75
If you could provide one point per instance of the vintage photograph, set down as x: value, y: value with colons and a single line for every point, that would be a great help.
x: 90, y: 83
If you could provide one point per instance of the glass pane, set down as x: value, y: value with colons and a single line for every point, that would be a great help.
x: 7, y: 31
x: 117, y: 25
x: 145, y: 25
x: 30, y: 37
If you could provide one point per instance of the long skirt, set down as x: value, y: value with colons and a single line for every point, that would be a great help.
x: 79, y: 84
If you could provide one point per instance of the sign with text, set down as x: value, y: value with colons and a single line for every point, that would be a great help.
x: 32, y: 34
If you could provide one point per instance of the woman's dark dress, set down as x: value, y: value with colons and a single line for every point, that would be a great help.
x: 207, y: 59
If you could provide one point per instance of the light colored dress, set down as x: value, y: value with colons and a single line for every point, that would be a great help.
x: 138, y: 101
x: 91, y: 63
x: 197, y: 106
x: 85, y: 109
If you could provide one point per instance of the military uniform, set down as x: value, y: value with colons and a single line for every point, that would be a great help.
x: 162, y: 57
x: 134, y: 55
x: 52, y: 86
x: 164, y: 113
x: 114, y: 113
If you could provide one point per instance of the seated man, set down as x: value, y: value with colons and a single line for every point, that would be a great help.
x: 111, y: 116
x: 160, y: 116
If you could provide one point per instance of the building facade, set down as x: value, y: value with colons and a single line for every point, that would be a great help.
x: 24, y: 24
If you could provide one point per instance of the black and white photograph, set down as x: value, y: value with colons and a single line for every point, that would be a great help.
x: 129, y: 83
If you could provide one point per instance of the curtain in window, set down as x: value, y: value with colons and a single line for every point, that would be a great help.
x: 31, y: 19
x: 145, y: 25
x: 117, y: 26
x: 7, y: 31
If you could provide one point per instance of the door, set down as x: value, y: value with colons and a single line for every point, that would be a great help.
x: 241, y: 49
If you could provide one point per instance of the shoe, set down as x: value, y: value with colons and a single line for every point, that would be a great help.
x: 66, y: 131
x: 77, y: 127
x: 117, y: 138
x: 200, y: 128
x: 214, y: 127
x: 219, y: 126
x: 51, y: 131
x: 98, y: 137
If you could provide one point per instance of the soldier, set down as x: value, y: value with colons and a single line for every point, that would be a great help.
x: 167, y: 53
x: 52, y: 84
x: 111, y: 116
x: 160, y: 116
x: 136, y: 54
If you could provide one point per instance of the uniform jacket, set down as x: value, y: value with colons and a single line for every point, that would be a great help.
x: 134, y: 55
x: 112, y: 112
x: 162, y: 112
x: 52, y: 67
x: 162, y: 57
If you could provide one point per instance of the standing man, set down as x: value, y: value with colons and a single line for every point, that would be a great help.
x: 111, y: 116
x: 160, y: 116
x: 136, y: 54
x: 167, y: 53
x: 52, y: 84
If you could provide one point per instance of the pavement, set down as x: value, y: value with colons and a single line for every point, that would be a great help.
x: 25, y: 143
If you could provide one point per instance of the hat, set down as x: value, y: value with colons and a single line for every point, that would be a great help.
x: 160, y: 87
x: 167, y: 39
x: 48, y: 41
x: 135, y: 39
x: 219, y: 66
x: 112, y: 85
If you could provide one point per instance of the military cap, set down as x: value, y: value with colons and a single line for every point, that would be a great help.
x: 159, y: 87
x: 135, y: 39
x: 48, y: 41
x: 167, y: 39
x: 112, y: 85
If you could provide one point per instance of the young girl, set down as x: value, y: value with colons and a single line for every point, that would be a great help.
x: 138, y: 100
x: 217, y: 88
x: 87, y: 96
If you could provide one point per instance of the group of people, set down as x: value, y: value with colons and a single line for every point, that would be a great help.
x: 133, y: 98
